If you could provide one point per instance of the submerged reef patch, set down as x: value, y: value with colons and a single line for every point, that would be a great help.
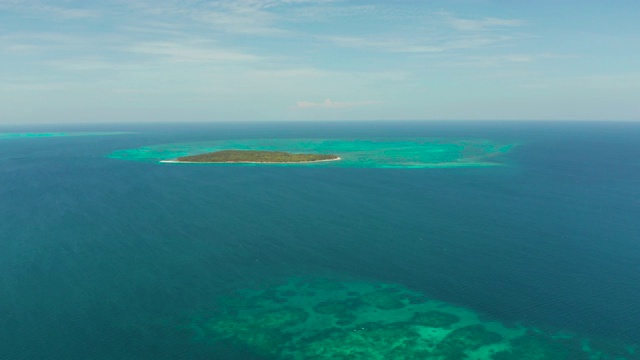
x: 366, y: 341
x: 337, y: 307
x: 328, y: 319
x: 434, y: 318
x: 465, y: 339
x: 538, y: 347
x: 363, y: 153
x: 387, y: 299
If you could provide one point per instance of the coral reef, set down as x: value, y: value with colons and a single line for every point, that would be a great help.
x: 434, y: 318
x: 462, y: 340
x: 386, y: 299
x: 337, y: 307
x: 285, y: 317
x: 371, y: 341
x: 264, y: 332
x: 321, y: 319
x: 363, y: 153
x: 537, y: 347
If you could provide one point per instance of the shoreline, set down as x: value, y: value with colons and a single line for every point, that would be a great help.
x: 245, y: 162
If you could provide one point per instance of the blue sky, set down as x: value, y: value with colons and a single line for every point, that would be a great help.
x: 189, y: 60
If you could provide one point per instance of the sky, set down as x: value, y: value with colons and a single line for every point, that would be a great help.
x: 66, y: 61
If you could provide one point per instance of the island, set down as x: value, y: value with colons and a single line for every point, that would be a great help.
x: 253, y: 156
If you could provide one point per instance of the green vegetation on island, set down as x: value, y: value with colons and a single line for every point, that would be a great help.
x: 253, y: 156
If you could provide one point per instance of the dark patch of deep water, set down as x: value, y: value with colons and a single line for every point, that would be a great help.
x: 99, y: 258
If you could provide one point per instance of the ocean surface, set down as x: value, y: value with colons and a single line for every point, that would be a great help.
x: 110, y: 258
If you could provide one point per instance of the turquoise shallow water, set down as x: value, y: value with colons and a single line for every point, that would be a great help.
x: 371, y: 153
x: 323, y: 319
x: 102, y: 258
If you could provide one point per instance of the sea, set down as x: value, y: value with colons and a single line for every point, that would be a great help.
x: 109, y: 258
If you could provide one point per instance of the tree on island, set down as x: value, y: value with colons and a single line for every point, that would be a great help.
x: 254, y: 156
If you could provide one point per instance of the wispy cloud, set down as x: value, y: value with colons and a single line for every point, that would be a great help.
x: 254, y: 17
x: 382, y: 44
x: 330, y: 104
x: 444, y: 33
x: 317, y: 12
x: 54, y: 12
x: 40, y: 42
x: 17, y: 48
x: 500, y: 60
x: 199, y: 51
x: 67, y: 13
x: 629, y: 81
x: 90, y: 64
x: 439, y: 44
x: 32, y: 85
x: 484, y: 24
x: 246, y: 17
x: 242, y: 17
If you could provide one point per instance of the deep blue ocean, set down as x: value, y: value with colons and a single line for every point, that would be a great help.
x: 100, y: 258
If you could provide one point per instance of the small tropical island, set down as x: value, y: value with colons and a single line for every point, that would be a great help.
x: 253, y: 156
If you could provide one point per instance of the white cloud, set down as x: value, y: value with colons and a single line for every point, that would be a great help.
x: 42, y: 44
x: 318, y: 13
x: 90, y: 64
x: 330, y: 104
x: 248, y: 17
x: 243, y: 17
x: 50, y: 11
x: 403, y: 44
x: 195, y: 52
x: 399, y: 45
x: 67, y: 13
x: 474, y: 25
x: 628, y: 82
x: 443, y: 32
